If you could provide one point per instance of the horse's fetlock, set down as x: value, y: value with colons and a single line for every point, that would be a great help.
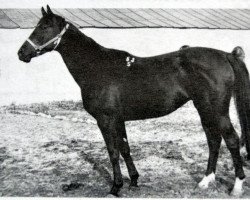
x: 135, y: 176
x: 119, y: 184
x: 233, y: 143
x: 114, y: 156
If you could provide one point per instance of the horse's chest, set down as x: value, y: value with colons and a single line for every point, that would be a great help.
x: 91, y: 102
x: 101, y: 100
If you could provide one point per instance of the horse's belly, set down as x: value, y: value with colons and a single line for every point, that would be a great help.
x: 157, y: 104
x: 143, y: 112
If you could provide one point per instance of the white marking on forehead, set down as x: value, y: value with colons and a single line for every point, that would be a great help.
x: 124, y: 139
x: 127, y: 59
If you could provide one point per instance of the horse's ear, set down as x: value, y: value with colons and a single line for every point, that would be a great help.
x: 43, y: 12
x: 49, y: 11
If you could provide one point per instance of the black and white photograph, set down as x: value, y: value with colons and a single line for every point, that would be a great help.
x: 125, y: 98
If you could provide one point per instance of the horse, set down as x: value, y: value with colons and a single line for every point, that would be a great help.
x: 117, y: 86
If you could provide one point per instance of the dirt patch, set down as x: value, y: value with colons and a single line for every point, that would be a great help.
x: 48, y: 157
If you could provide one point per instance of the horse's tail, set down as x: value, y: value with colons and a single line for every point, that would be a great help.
x: 241, y: 94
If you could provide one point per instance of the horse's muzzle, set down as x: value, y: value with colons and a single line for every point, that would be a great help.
x: 23, y: 57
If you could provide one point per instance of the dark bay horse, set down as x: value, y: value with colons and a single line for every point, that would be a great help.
x: 117, y: 86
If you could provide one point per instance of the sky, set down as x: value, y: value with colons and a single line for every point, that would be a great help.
x: 126, y: 3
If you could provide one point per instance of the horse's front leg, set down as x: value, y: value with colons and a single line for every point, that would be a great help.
x: 125, y: 152
x: 108, y: 125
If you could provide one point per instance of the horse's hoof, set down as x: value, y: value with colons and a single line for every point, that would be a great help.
x: 134, y: 180
x: 114, y: 193
x: 111, y: 196
x: 206, y: 180
x: 134, y: 187
x: 203, y: 185
x: 236, y: 193
x: 238, y: 188
x: 115, y: 189
x: 133, y: 184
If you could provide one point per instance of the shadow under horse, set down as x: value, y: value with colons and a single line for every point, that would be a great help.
x: 117, y: 86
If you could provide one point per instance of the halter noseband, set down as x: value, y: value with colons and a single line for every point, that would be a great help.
x: 56, y: 40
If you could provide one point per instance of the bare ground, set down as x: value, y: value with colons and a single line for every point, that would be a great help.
x: 51, y: 157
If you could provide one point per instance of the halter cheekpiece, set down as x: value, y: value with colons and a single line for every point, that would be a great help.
x: 56, y: 40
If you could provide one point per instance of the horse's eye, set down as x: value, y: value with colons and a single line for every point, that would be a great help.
x: 43, y: 27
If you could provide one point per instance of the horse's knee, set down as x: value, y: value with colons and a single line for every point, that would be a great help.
x: 114, y: 155
x: 125, y: 152
x: 224, y: 124
x: 233, y: 142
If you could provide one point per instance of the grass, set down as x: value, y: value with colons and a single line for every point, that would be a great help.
x: 45, y: 108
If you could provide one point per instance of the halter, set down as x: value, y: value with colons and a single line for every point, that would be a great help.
x: 56, y: 40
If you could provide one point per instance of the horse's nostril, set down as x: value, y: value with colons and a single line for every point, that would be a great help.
x: 20, y: 53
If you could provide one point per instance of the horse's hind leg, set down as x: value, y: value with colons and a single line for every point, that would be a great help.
x: 213, y: 135
x: 214, y: 141
x: 233, y: 144
x: 225, y: 127
x: 125, y: 152
x: 216, y: 120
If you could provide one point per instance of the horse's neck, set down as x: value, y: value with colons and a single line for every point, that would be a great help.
x: 79, y: 52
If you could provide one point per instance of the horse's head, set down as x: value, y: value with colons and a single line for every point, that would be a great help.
x: 45, y: 37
